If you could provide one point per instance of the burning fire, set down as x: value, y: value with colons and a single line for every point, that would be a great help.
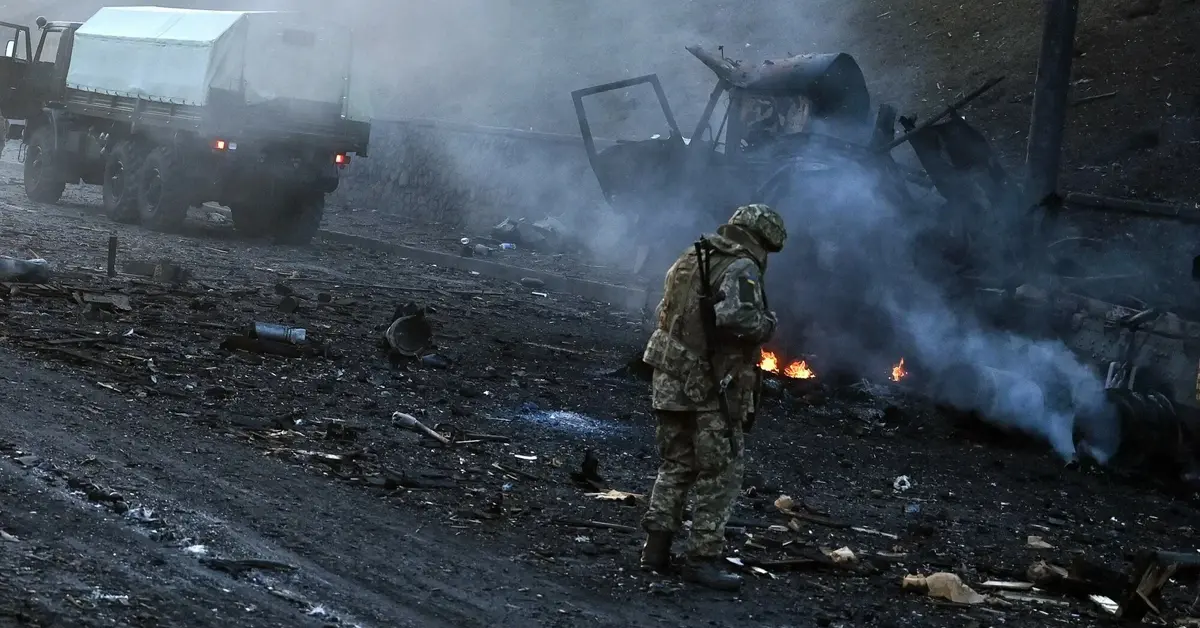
x: 899, y: 372
x: 797, y: 369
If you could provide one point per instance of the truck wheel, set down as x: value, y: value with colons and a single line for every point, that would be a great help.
x: 162, y: 191
x: 253, y: 220
x: 120, y: 183
x: 300, y: 221
x: 43, y: 181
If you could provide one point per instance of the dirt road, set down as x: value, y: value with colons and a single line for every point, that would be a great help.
x: 152, y: 477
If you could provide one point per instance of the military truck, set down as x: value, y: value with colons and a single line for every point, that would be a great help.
x: 171, y: 108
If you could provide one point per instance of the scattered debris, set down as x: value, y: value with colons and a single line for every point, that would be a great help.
x: 595, y: 525
x: 946, y: 586
x: 787, y: 506
x: 163, y: 271
x: 238, y: 567
x: 34, y: 270
x: 1007, y: 586
x: 901, y: 484
x: 288, y: 305
x: 410, y: 332
x: 533, y: 283
x: 1036, y: 542
x: 1030, y: 598
x: 589, y: 472
x: 613, y: 495
x: 258, y: 345
x: 754, y: 569
x: 410, y: 422
x: 842, y: 556
x: 1150, y: 573
x: 107, y: 301
x: 874, y: 532
x: 548, y: 234
x: 1092, y: 98
x: 279, y: 333
x: 1105, y: 603
x: 436, y: 360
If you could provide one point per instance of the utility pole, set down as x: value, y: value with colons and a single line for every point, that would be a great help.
x: 1050, y: 93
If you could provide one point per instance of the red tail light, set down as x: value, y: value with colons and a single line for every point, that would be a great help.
x: 219, y: 145
x: 341, y: 159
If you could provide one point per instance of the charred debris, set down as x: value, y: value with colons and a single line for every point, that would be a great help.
x: 799, y: 132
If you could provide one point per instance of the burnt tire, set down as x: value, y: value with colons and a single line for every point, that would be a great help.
x: 253, y: 220
x: 162, y: 191
x: 44, y: 181
x: 300, y: 220
x: 121, y: 176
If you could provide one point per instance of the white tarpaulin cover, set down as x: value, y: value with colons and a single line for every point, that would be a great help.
x: 178, y: 55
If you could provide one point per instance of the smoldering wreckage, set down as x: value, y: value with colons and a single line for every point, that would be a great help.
x: 937, y: 282
x: 943, y: 281
x: 936, y: 275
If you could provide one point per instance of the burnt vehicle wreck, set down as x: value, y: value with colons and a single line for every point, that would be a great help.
x: 948, y: 266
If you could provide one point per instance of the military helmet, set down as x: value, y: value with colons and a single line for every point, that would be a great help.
x: 764, y: 222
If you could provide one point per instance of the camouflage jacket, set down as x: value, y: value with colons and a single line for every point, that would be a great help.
x: 676, y: 349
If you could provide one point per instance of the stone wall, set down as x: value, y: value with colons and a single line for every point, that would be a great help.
x: 469, y: 176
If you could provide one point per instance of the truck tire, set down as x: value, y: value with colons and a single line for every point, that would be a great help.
x: 120, y: 183
x: 300, y: 220
x: 43, y: 181
x: 253, y: 220
x: 162, y: 191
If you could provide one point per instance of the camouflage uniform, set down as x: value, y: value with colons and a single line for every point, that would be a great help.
x: 700, y: 451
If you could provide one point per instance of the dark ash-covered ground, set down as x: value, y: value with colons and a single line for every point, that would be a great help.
x: 136, y: 455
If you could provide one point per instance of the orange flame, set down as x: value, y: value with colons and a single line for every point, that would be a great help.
x: 768, y: 362
x: 899, y: 372
x: 797, y: 369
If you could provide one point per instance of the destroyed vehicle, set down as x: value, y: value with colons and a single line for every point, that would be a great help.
x: 170, y: 108
x: 776, y: 133
x: 887, y: 263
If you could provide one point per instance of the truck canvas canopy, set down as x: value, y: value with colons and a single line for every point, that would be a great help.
x: 181, y: 56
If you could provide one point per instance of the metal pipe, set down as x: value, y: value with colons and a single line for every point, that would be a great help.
x: 1053, y: 84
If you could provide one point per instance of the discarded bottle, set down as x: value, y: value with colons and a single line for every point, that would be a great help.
x: 35, y: 270
x: 508, y: 246
x: 280, y: 333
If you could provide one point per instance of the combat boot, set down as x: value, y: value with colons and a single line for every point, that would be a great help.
x: 656, y: 553
x: 709, y: 573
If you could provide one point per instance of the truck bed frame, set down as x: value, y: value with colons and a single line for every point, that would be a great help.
x: 275, y: 121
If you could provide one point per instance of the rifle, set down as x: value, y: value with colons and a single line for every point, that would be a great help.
x: 758, y: 382
x: 708, y: 319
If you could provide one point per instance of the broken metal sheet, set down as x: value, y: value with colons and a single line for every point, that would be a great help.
x: 834, y: 82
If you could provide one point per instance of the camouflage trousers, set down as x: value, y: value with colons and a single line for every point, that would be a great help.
x: 697, y: 457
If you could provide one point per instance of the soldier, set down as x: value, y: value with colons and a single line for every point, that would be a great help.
x: 705, y: 354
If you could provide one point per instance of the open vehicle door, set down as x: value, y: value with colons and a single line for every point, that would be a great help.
x: 632, y: 169
x: 15, y: 64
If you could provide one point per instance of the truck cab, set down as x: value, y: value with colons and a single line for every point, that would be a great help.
x: 33, y: 74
